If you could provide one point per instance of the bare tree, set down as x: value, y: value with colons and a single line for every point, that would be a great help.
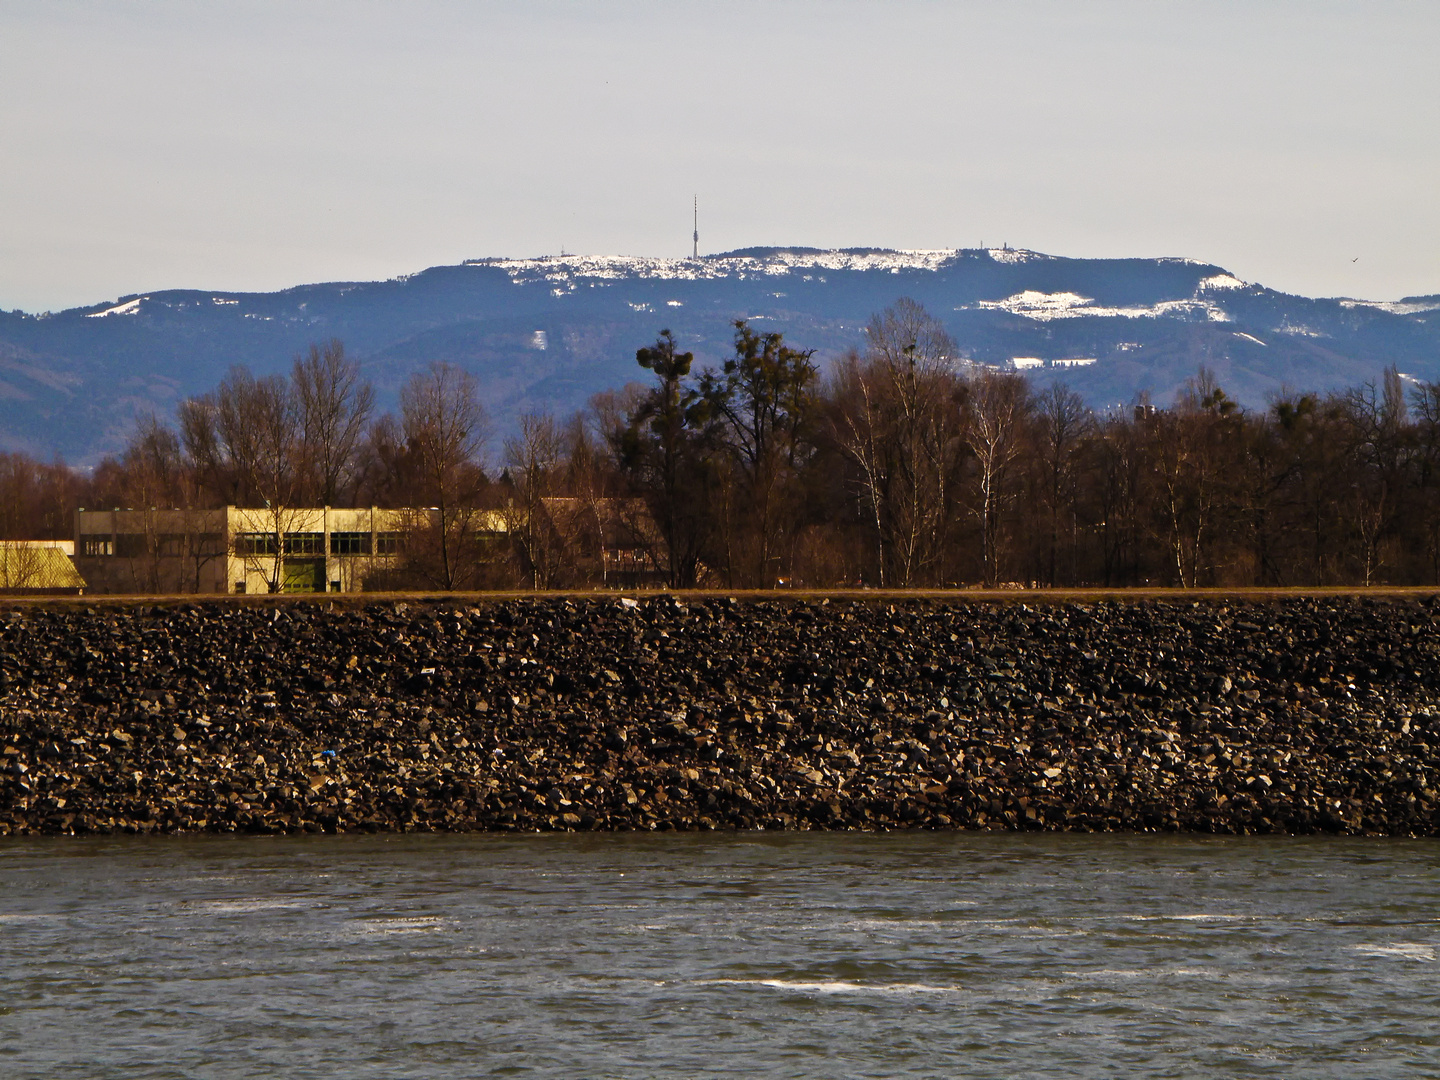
x: 1426, y: 402
x: 387, y: 474
x: 334, y: 407
x: 23, y: 565
x: 1376, y: 421
x: 445, y: 427
x: 859, y: 430
x: 153, y: 479
x: 204, y: 459
x: 246, y: 435
x: 532, y: 460
x: 898, y: 425
x: 592, y: 478
x: 37, y: 500
x: 1188, y: 444
x: 999, y: 403
x: 1062, y: 424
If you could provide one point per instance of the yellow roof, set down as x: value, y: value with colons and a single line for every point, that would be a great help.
x: 31, y: 566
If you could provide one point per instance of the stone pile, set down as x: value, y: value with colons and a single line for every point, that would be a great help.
x: 1303, y: 715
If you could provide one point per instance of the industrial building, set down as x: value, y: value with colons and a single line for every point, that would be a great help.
x: 244, y: 550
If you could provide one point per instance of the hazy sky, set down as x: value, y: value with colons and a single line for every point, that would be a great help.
x: 259, y: 145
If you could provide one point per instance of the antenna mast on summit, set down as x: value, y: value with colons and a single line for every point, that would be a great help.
x: 696, y: 237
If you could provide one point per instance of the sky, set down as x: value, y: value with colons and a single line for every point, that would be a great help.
x: 257, y: 145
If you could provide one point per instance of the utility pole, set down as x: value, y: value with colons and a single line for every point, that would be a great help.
x: 695, y: 254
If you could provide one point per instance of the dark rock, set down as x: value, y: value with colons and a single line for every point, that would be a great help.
x: 1286, y: 716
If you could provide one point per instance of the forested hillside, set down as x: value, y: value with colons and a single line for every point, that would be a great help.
x: 907, y: 464
x: 546, y: 334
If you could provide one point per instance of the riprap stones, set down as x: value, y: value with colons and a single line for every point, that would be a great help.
x: 1303, y: 715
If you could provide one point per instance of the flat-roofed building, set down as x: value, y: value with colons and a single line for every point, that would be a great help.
x: 248, y: 550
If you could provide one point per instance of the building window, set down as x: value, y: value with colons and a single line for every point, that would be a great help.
x: 189, y: 545
x: 255, y: 544
x: 305, y: 543
x: 387, y: 543
x: 97, y: 545
x: 349, y: 543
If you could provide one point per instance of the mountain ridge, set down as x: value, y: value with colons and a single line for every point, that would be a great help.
x: 547, y: 332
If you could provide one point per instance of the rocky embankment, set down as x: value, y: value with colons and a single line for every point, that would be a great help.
x: 1276, y: 716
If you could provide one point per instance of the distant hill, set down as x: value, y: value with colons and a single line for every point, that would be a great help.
x: 547, y: 333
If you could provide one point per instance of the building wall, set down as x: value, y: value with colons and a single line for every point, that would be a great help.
x: 237, y: 549
x: 325, y: 549
x: 164, y: 551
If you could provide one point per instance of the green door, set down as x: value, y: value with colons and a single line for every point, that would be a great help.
x: 304, y: 575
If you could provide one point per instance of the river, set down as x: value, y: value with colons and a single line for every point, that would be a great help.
x: 688, y: 955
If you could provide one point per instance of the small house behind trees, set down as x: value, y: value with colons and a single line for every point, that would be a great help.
x: 612, y: 543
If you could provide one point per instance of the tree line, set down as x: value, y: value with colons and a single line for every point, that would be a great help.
x: 901, y: 466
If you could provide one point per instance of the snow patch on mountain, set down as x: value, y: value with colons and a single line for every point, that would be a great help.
x: 1031, y: 304
x: 1217, y: 282
x: 1396, y: 307
x: 130, y: 307
x: 565, y: 271
x: 1016, y: 255
x: 1040, y: 305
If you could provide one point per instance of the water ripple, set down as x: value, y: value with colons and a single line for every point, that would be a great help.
x: 707, y: 956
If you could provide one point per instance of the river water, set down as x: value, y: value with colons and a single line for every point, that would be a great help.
x: 682, y: 955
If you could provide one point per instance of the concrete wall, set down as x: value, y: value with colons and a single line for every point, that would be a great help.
x: 236, y: 549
